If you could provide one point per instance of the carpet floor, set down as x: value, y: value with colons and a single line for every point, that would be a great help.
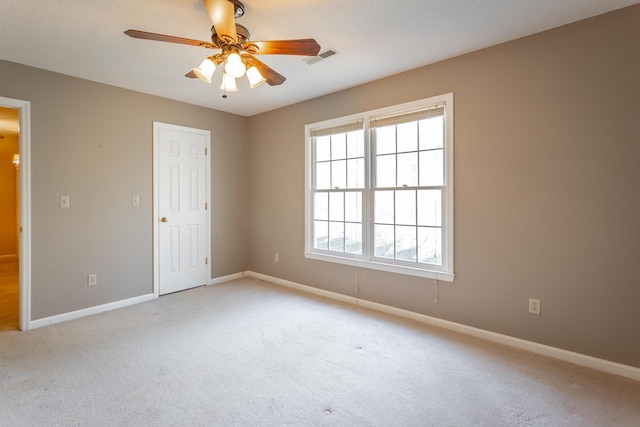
x: 250, y: 353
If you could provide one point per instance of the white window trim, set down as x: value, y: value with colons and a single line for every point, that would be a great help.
x: 446, y: 273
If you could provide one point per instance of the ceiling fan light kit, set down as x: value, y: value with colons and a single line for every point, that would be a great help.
x: 205, y: 70
x: 237, y: 51
x: 234, y: 66
x: 254, y: 76
x: 228, y: 83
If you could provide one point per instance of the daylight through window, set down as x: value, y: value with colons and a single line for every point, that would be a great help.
x: 380, y: 189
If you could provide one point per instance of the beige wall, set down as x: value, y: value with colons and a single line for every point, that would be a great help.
x: 93, y: 142
x: 8, y: 197
x: 547, y: 144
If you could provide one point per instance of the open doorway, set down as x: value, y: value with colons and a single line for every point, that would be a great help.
x: 9, y: 218
x: 23, y: 200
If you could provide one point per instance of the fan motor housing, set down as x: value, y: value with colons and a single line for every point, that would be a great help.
x: 243, y: 36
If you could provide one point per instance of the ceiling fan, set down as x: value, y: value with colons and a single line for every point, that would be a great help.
x: 237, y: 50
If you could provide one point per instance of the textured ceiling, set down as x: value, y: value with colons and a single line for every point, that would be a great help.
x: 375, y: 38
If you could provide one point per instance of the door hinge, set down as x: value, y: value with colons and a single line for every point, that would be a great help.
x: 206, y: 206
x: 205, y: 151
x: 206, y: 261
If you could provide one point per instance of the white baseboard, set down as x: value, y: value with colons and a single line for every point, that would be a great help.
x: 111, y: 306
x: 88, y: 311
x: 223, y: 279
x: 545, y: 350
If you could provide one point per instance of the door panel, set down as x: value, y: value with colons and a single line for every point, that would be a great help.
x: 182, y: 208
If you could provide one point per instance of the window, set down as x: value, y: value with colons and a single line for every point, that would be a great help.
x: 380, y: 189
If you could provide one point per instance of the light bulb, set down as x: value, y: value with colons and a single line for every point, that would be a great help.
x: 255, y: 78
x: 235, y: 67
x: 228, y: 83
x: 205, y: 70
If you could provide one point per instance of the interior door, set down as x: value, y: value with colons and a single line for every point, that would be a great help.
x: 182, y: 207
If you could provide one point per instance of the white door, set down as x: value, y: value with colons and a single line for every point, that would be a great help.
x: 182, y: 198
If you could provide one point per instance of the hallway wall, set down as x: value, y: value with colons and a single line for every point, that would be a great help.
x: 8, y: 196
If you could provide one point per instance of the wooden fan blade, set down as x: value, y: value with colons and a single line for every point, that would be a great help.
x: 171, y: 39
x: 191, y: 75
x: 304, y: 47
x: 222, y: 14
x: 273, y: 77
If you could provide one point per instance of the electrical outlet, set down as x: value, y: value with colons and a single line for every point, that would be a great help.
x: 534, y: 306
x: 276, y: 257
x: 92, y: 279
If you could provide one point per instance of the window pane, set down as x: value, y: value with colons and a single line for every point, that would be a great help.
x: 431, y: 168
x: 321, y: 235
x: 386, y: 140
x: 353, y: 207
x: 406, y: 243
x: 384, y: 207
x: 355, y: 173
x: 353, y: 238
x: 408, y: 169
x: 430, y: 245
x: 321, y: 206
x: 336, y: 206
x: 355, y: 144
x: 430, y: 208
x: 338, y: 146
x: 339, y: 174
x: 406, y: 207
x: 380, y: 179
x: 323, y: 148
x: 323, y: 176
x: 336, y: 236
x: 384, y: 241
x: 432, y: 133
x: 408, y: 137
x: 386, y: 171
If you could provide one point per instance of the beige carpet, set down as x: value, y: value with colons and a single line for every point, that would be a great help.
x: 249, y: 353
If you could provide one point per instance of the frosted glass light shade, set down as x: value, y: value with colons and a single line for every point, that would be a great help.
x: 235, y: 67
x: 228, y: 83
x: 255, y: 78
x: 205, y: 70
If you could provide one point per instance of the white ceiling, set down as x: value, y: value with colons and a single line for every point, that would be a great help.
x: 375, y: 38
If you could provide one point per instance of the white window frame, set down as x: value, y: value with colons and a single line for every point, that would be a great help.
x: 367, y: 259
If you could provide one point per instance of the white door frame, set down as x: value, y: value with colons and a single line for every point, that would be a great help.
x: 156, y: 192
x: 24, y: 177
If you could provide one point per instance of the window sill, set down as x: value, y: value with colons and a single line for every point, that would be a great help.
x: 429, y: 274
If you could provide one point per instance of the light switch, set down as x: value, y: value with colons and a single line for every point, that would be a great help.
x: 92, y: 279
x: 135, y: 200
x: 64, y: 201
